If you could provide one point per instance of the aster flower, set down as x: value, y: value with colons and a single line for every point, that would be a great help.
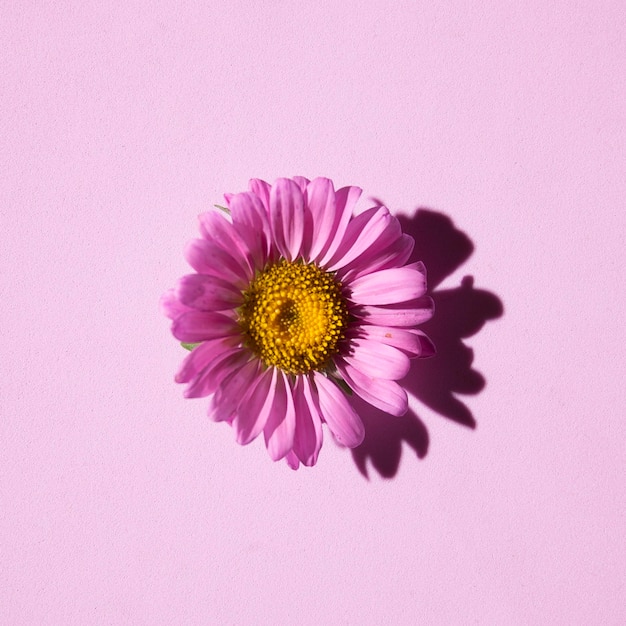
x: 296, y: 304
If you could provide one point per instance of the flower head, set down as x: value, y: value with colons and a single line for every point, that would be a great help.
x: 295, y: 304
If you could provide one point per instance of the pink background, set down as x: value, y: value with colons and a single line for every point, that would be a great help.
x: 122, y: 503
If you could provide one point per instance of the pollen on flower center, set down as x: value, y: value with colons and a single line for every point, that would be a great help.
x: 294, y: 316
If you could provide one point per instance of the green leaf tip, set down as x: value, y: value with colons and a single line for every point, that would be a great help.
x: 189, y: 346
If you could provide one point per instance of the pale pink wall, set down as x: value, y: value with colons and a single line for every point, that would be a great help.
x: 120, y: 503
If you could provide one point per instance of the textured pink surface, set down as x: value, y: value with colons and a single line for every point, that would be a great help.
x: 121, y: 503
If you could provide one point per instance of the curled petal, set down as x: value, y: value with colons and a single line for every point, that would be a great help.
x: 378, y: 360
x: 211, y: 377
x: 396, y: 254
x: 287, y: 217
x: 250, y: 218
x: 386, y: 242
x: 345, y: 201
x: 309, y: 435
x: 217, y: 229
x: 342, y: 419
x: 398, y: 284
x: 281, y: 424
x: 320, y: 198
x: 302, y: 182
x: 207, y: 293
x: 319, y: 216
x: 171, y: 306
x: 207, y: 258
x: 385, y: 395
x: 228, y: 395
x: 412, y: 342
x: 292, y: 460
x: 255, y: 408
x: 364, y: 229
x: 261, y: 189
x: 403, y: 314
x: 199, y: 358
x: 195, y: 326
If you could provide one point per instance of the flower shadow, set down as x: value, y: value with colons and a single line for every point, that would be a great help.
x: 460, y: 312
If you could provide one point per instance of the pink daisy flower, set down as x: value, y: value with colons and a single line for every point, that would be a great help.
x: 296, y: 304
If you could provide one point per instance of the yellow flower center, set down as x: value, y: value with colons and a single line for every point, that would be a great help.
x: 294, y: 316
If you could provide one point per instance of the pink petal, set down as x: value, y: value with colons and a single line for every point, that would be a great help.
x: 207, y: 258
x: 388, y: 286
x: 216, y: 228
x: 343, y: 421
x: 412, y: 342
x: 362, y: 234
x: 309, y: 435
x: 287, y: 217
x: 195, y: 326
x: 292, y: 460
x: 345, y: 200
x: 396, y: 254
x: 261, y: 190
x: 320, y: 197
x: 203, y: 359
x: 211, y: 377
x: 207, y: 293
x: 386, y: 241
x: 255, y: 407
x: 427, y: 346
x: 229, y: 394
x: 302, y: 182
x: 199, y: 358
x: 171, y: 306
x: 378, y: 360
x: 281, y: 424
x: 250, y: 219
x: 385, y: 395
x: 404, y: 314
x: 308, y: 237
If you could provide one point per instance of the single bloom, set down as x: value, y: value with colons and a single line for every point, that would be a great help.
x: 296, y: 303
